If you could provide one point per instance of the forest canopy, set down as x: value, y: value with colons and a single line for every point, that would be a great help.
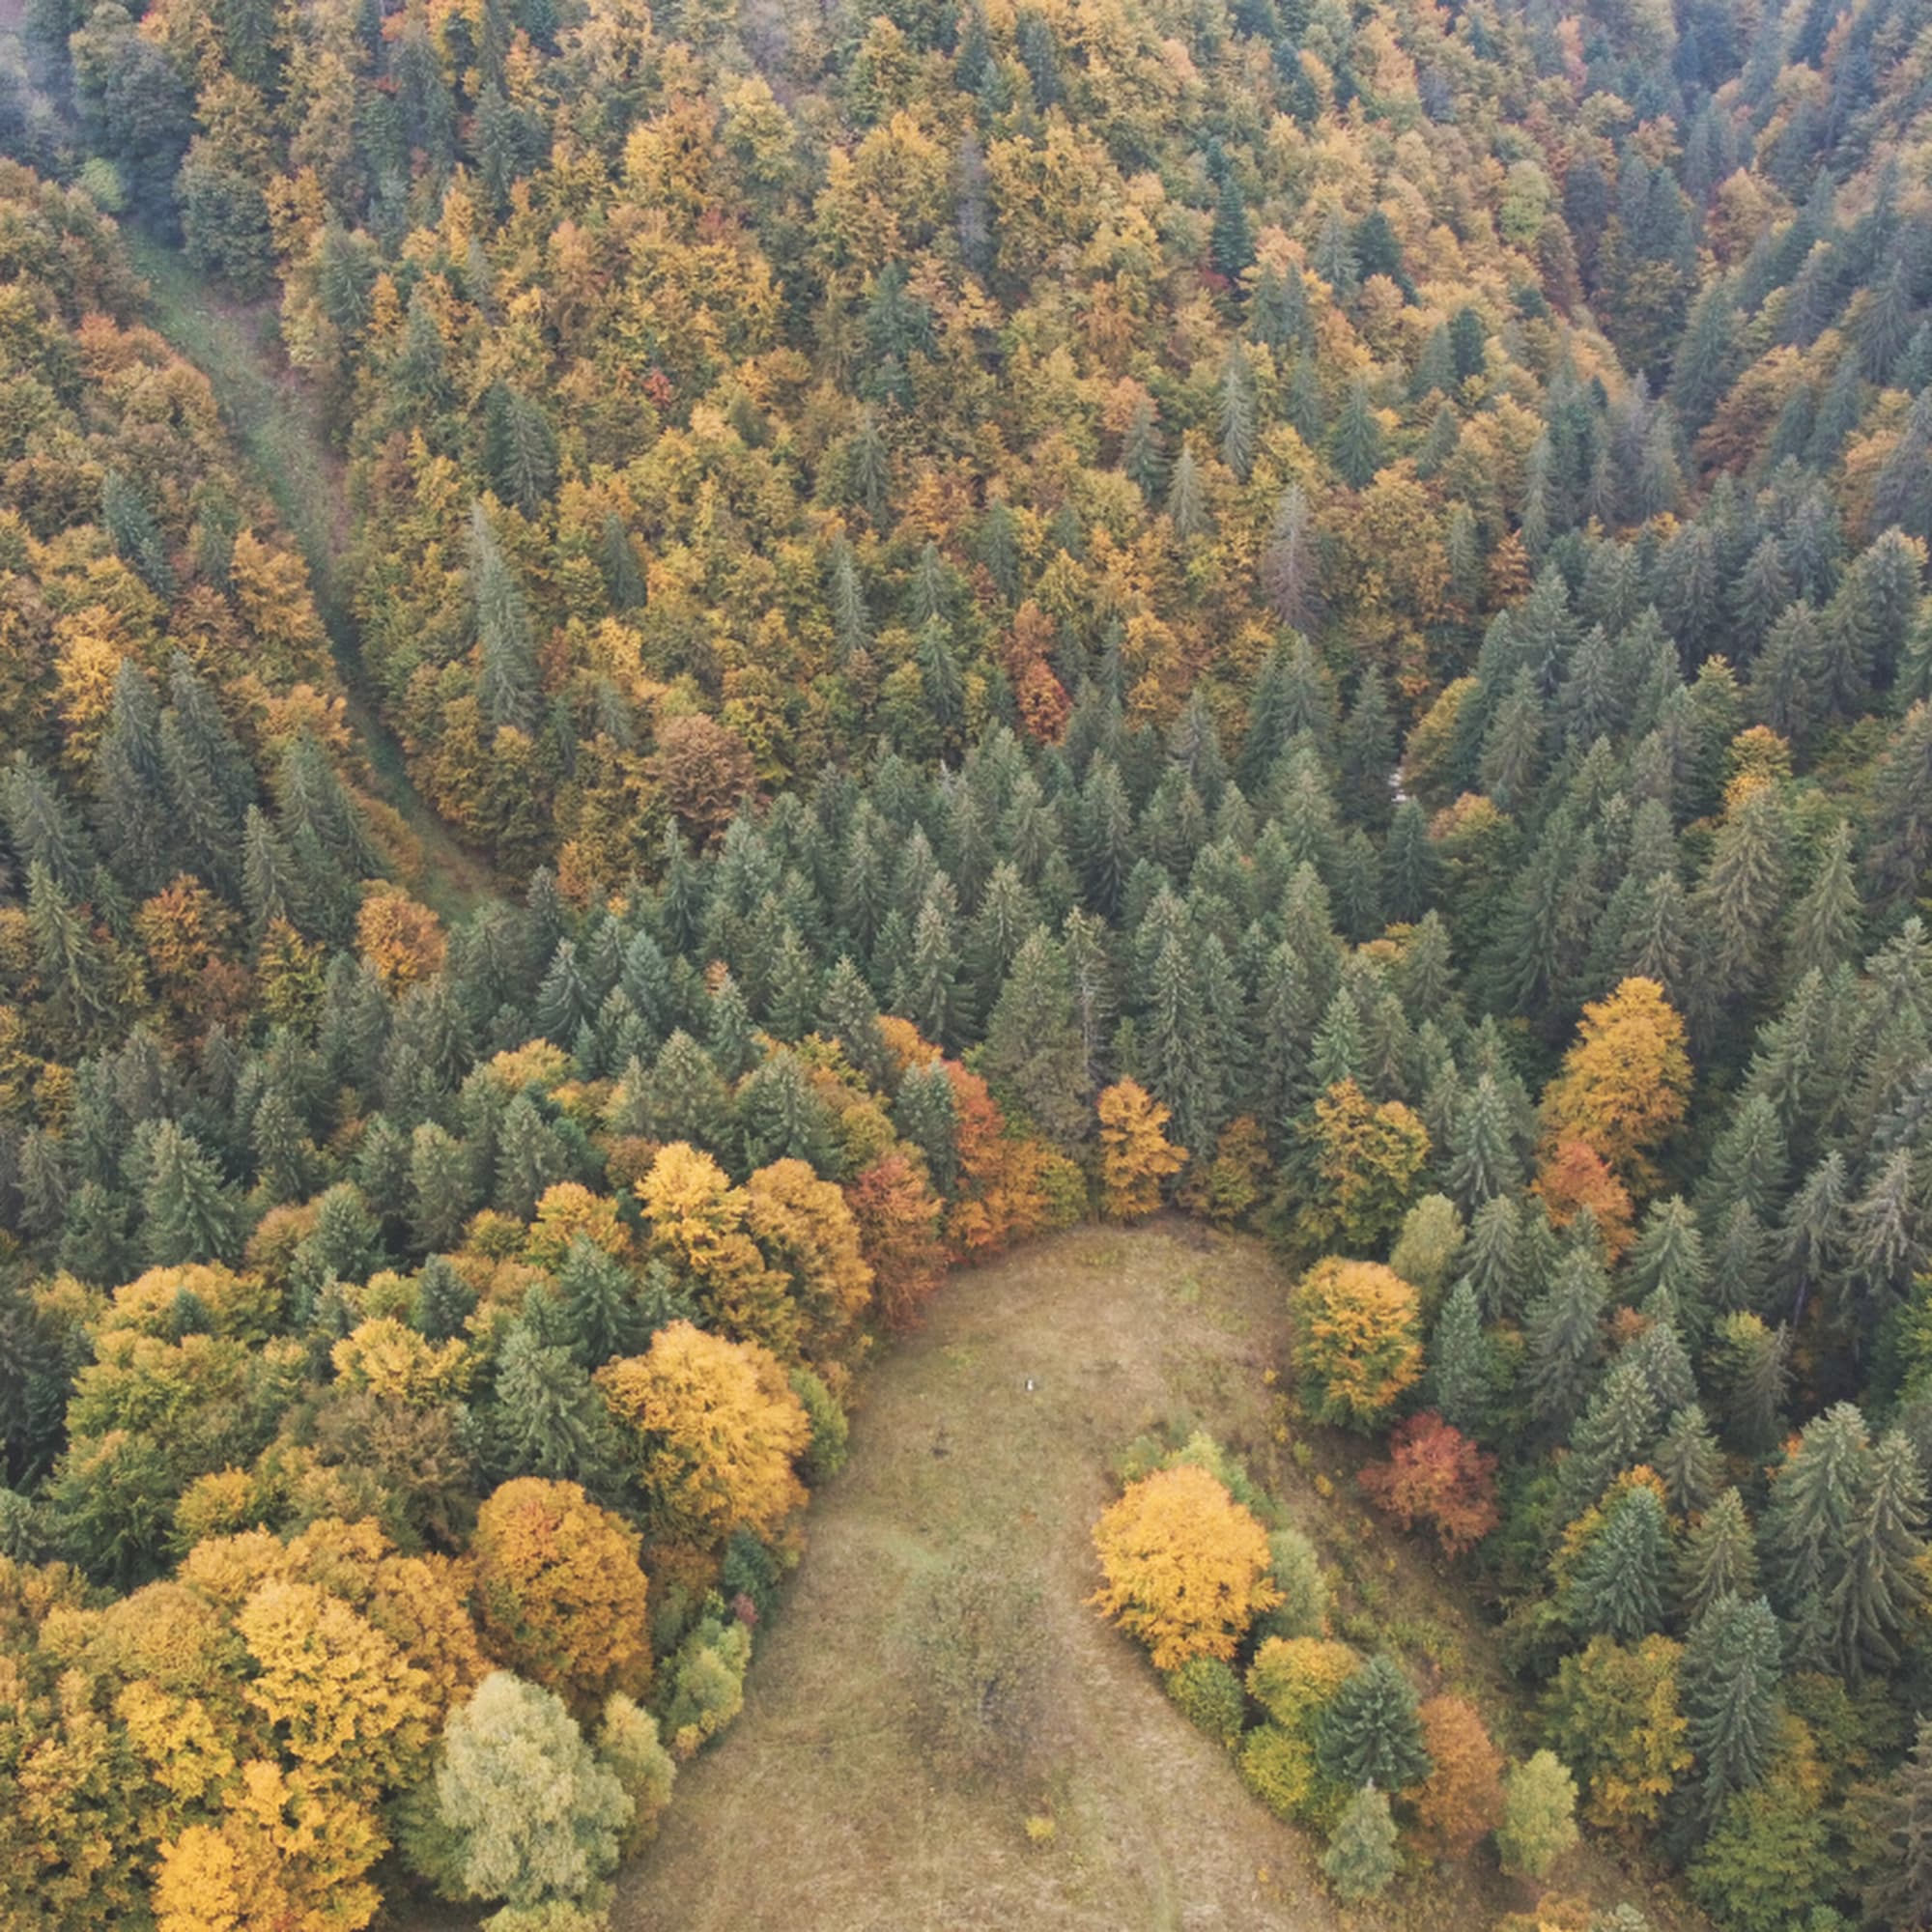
x: 1312, y: 613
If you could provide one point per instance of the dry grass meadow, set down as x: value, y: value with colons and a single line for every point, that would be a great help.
x: 935, y: 1679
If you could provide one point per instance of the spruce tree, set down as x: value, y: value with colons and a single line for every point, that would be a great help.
x: 1617, y: 1585
x: 188, y: 1213
x: 1720, y: 1557
x: 599, y: 1305
x: 1361, y: 1857
x: 1462, y: 1365
x: 1563, y: 1335
x: 1370, y: 1733
x: 506, y: 685
x: 1727, y: 1688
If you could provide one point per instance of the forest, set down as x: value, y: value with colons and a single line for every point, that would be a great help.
x: 1305, y: 613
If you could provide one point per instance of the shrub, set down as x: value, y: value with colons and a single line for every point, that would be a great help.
x: 1209, y: 1697
x: 1539, y: 1823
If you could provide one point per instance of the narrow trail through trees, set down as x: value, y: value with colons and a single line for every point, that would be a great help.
x: 276, y: 423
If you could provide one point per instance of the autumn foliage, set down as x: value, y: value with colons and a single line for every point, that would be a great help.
x: 560, y: 1593
x: 1435, y: 1475
x: 1624, y: 1084
x: 1136, y: 1156
x: 1460, y: 1800
x: 1357, y: 1345
x: 1186, y: 1565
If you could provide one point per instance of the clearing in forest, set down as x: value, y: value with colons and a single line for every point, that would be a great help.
x: 935, y: 1677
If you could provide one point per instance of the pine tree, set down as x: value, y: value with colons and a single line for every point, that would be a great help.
x: 1878, y: 1586
x: 129, y: 783
x: 1357, y: 445
x: 1370, y: 1733
x: 1462, y: 1365
x: 443, y: 1301
x: 188, y: 1211
x: 45, y: 830
x: 565, y: 999
x: 1667, y: 1269
x: 1612, y: 1434
x: 1231, y: 244
x: 1482, y: 1163
x: 547, y: 1418
x: 506, y: 685
x: 1494, y: 1263
x: 1617, y: 1585
x: 1814, y: 1503
x: 928, y: 989
x: 1728, y: 1691
x: 1899, y: 1890
x: 1238, y: 411
x: 1563, y: 1335
x: 136, y: 538
x: 599, y: 1305
x: 926, y: 1115
x: 1687, y: 1462
x: 684, y: 1099
x: 519, y: 450
x: 1033, y: 1047
x: 1187, y: 499
x: 1720, y: 1557
x: 1361, y: 1860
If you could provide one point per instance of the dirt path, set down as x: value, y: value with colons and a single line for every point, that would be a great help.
x: 274, y: 420
x: 832, y: 1805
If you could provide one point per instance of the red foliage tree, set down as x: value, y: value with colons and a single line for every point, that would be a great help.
x: 898, y: 1218
x: 1435, y: 1474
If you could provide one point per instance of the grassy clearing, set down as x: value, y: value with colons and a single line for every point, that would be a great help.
x: 937, y: 1730
x: 275, y: 419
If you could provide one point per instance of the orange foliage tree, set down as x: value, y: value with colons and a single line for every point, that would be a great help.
x: 1001, y: 1198
x: 1356, y: 1344
x: 1186, y: 1566
x: 1574, y: 1175
x: 1460, y: 1802
x: 897, y: 1216
x: 560, y: 1593
x: 1435, y: 1474
x: 1136, y: 1156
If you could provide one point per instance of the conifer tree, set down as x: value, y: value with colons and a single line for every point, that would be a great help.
x: 1563, y: 1337
x: 1728, y: 1687
x: 188, y: 1211
x: 1462, y: 1365
x: 1361, y: 1860
x: 506, y: 685
x: 1617, y: 1585
x: 1720, y: 1557
x: 1370, y: 1733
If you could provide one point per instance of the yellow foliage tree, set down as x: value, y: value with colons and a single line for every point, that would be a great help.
x: 347, y: 1703
x: 401, y: 940
x: 1186, y: 1567
x: 804, y: 1228
x: 713, y: 1427
x: 291, y: 1854
x: 1136, y: 1156
x: 697, y: 1224
x: 1623, y: 1086
x: 560, y: 1593
x: 1357, y: 1341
